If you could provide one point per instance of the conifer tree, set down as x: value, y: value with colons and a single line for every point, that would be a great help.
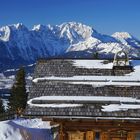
x: 1, y: 107
x: 18, y: 96
x: 96, y: 55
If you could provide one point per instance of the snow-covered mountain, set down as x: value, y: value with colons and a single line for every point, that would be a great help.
x: 19, y: 45
x: 106, y: 45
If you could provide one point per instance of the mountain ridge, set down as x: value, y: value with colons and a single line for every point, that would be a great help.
x: 20, y: 45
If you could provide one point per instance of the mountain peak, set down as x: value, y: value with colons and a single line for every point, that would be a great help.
x: 75, y: 25
x: 75, y: 31
x: 71, y: 23
x: 11, y: 30
x: 123, y: 35
x: 4, y: 33
x: 19, y: 25
x: 39, y: 27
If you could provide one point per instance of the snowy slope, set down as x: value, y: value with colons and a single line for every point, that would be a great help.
x: 22, y: 129
x: 6, y: 82
x: 106, y: 46
x: 20, y: 45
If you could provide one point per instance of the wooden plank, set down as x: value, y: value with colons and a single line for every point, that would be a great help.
x: 93, y: 125
x: 103, y: 124
x: 76, y: 135
x: 90, y: 135
x: 118, y: 134
x: 104, y: 136
x: 89, y: 120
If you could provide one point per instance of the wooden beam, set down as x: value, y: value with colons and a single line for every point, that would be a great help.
x: 61, y: 134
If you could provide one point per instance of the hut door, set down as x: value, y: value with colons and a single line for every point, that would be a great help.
x: 90, y: 135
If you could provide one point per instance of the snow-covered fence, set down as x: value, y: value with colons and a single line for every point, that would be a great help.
x: 7, y: 115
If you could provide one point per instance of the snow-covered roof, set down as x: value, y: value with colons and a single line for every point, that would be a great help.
x: 85, y: 99
x: 122, y: 103
x: 99, y: 64
x: 85, y: 88
x: 95, y: 80
x: 131, y: 79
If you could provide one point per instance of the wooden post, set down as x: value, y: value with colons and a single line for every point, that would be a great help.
x: 61, y: 133
x: 104, y: 136
x: 90, y: 135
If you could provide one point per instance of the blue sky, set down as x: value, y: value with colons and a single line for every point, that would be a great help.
x: 106, y: 16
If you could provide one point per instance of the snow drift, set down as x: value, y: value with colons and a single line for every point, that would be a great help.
x: 21, y: 129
